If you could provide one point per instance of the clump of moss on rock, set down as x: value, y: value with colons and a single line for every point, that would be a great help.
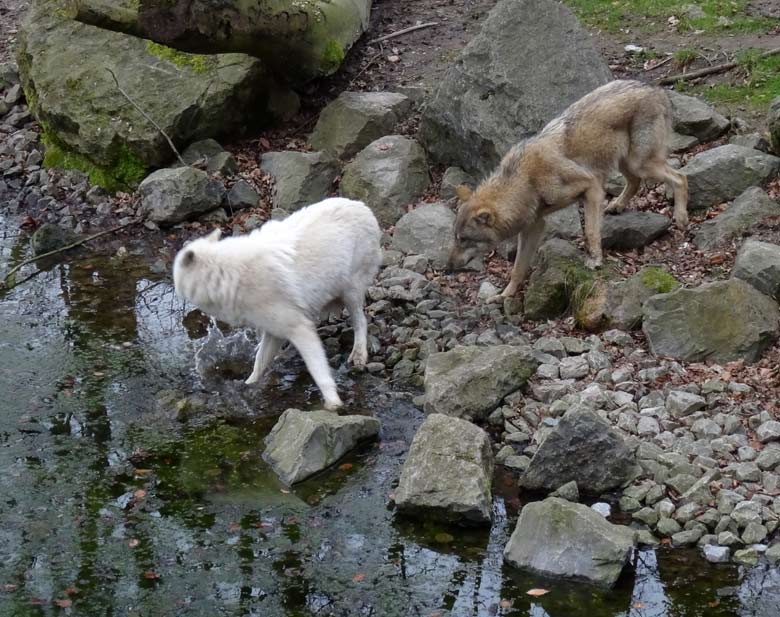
x: 199, y: 63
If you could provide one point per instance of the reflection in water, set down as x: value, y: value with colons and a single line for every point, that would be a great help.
x: 117, y: 502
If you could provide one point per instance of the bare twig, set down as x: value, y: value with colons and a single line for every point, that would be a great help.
x: 392, y: 35
x: 660, y: 64
x: 145, y: 115
x: 18, y: 267
x: 364, y: 69
x: 718, y: 68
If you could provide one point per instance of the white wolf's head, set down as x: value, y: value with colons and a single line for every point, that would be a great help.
x: 187, y: 273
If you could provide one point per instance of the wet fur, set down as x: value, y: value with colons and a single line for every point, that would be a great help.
x: 624, y: 125
x: 280, y: 279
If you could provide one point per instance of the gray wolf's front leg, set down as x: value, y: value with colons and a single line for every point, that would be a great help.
x: 527, y: 243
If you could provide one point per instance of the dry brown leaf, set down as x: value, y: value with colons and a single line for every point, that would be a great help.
x: 536, y: 592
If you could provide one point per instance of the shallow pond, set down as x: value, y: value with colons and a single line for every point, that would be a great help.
x: 132, y: 483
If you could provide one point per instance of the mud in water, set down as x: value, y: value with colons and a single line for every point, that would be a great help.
x: 132, y: 482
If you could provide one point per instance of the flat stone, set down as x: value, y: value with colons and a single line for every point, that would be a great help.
x: 750, y: 208
x: 633, y: 229
x: 758, y: 263
x: 426, y: 230
x: 300, y: 178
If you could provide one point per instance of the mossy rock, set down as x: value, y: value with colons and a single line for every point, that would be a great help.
x: 299, y: 39
x: 91, y: 126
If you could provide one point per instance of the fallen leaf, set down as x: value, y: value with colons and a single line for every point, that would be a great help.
x: 505, y: 604
x: 143, y: 472
x: 98, y: 374
x: 713, y: 604
x: 10, y: 587
x: 64, y: 603
x: 637, y: 605
x: 152, y: 576
x: 69, y: 591
x: 358, y: 577
x: 537, y: 592
x: 133, y: 543
x: 285, y: 491
x: 139, y: 494
x: 443, y: 538
x: 233, y: 526
x: 345, y: 467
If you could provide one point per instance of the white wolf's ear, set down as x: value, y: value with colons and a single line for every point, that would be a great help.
x: 463, y: 192
x: 215, y: 235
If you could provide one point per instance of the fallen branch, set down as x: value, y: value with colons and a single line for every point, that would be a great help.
x: 718, y: 68
x: 148, y: 118
x: 62, y: 249
x: 393, y: 35
x: 659, y: 65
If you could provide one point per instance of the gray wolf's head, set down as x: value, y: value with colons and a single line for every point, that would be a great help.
x: 475, y: 230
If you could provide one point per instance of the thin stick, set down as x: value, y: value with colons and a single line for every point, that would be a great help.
x: 718, y: 68
x: 18, y: 267
x: 364, y: 69
x: 145, y: 115
x: 392, y: 35
x: 660, y: 64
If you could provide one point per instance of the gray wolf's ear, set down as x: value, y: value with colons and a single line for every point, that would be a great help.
x: 484, y: 218
x: 215, y: 235
x: 188, y: 258
x: 463, y: 192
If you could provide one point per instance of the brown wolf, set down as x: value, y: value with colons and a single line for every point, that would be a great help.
x: 623, y: 125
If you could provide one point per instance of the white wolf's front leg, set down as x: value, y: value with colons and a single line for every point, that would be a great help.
x: 359, y: 355
x: 266, y: 352
x: 308, y: 344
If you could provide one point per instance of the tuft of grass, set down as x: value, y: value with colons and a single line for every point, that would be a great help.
x: 659, y: 280
x: 758, y: 84
x: 684, y: 57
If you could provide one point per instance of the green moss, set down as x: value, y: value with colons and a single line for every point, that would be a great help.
x: 659, y: 280
x: 199, y: 63
x: 332, y: 56
x: 126, y: 173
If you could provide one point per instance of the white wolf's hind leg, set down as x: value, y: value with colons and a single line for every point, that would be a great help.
x: 308, y: 344
x: 359, y: 355
x: 266, y: 352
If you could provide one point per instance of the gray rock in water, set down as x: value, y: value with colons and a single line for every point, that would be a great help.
x: 242, y: 195
x: 721, y: 174
x: 692, y: 116
x: 559, y: 269
x: 50, y: 237
x: 584, y: 448
x: 388, y: 174
x: 720, y: 321
x: 355, y: 119
x: 453, y: 178
x: 499, y: 91
x: 633, y: 229
x: 470, y: 382
x: 300, y: 178
x: 716, y: 554
x: 559, y: 538
x: 448, y: 472
x: 171, y: 196
x: 302, y: 443
x: 758, y: 263
x: 427, y: 230
x: 750, y: 208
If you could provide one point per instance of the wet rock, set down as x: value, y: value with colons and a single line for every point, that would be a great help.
x: 721, y: 174
x: 355, y: 119
x: 746, y: 556
x: 750, y: 208
x: 51, y: 237
x: 302, y: 443
x: 453, y: 178
x: 242, y: 195
x: 758, y: 263
x: 448, y: 472
x: 171, y: 196
x: 388, y: 174
x: 300, y: 178
x: 427, y: 230
x: 559, y: 270
x: 498, y: 90
x: 692, y: 116
x: 470, y: 381
x: 720, y: 321
x: 633, y: 229
x: 583, y: 448
x: 555, y: 537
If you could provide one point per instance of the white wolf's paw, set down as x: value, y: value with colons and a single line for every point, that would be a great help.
x: 253, y: 378
x: 333, y: 404
x: 593, y: 263
x: 358, y: 358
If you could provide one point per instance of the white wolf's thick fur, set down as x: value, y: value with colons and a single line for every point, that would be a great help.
x: 280, y: 277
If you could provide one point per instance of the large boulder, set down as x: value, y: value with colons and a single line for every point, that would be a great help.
x: 750, y: 208
x: 530, y: 61
x: 300, y: 178
x: 90, y: 125
x: 302, y: 443
x: 633, y: 229
x: 448, y: 473
x: 388, y: 174
x: 773, y: 124
x: 355, y: 119
x: 720, y: 174
x: 299, y: 40
x: 470, y: 381
x: 758, y: 263
x: 558, y: 271
x: 427, y: 230
x: 555, y: 537
x: 692, y: 116
x: 582, y: 447
x: 721, y: 321
x: 618, y: 304
x: 171, y: 196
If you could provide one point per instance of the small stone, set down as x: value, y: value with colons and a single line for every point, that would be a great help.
x: 773, y: 553
x: 568, y: 491
x: 746, y: 557
x: 748, y: 472
x: 646, y: 515
x: 744, y: 513
x: 716, y: 554
x: 574, y: 367
x: 602, y: 508
x: 687, y: 537
x: 754, y: 533
x: 550, y: 345
x: 680, y: 403
x: 769, y: 431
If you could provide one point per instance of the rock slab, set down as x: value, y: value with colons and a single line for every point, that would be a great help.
x: 303, y: 443
x: 750, y: 208
x: 427, y: 230
x: 448, y: 472
x: 171, y: 196
x: 300, y: 178
x: 758, y: 263
x: 555, y: 537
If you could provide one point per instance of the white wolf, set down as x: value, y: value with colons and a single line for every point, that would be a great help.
x: 279, y: 279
